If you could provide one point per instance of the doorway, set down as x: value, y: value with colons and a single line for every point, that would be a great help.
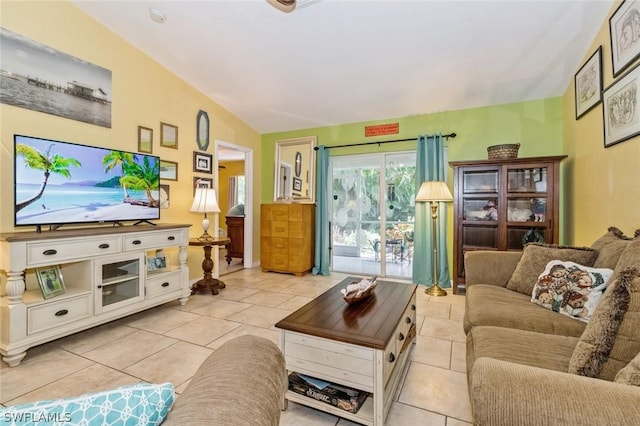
x: 234, y: 180
x: 372, y: 200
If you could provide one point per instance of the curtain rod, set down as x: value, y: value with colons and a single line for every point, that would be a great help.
x: 450, y: 135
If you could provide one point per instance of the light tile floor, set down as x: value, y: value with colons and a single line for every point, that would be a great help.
x: 168, y: 343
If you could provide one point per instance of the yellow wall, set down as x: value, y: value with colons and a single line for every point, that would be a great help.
x: 602, y: 185
x: 144, y: 94
x: 232, y: 168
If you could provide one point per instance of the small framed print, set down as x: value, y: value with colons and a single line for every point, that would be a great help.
x: 620, y: 108
x: 297, y: 184
x: 202, y: 162
x: 50, y: 279
x: 168, y: 135
x: 625, y: 43
x: 200, y: 182
x: 588, y: 84
x: 145, y: 139
x: 168, y: 170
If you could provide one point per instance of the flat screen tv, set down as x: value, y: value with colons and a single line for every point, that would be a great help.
x: 59, y: 183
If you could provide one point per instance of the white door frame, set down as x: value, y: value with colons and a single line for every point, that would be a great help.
x: 248, y: 205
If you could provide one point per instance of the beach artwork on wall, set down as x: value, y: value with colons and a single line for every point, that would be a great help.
x: 40, y: 78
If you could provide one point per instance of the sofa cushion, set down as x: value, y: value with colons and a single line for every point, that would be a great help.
x: 630, y: 257
x: 571, y: 289
x: 541, y: 350
x: 139, y: 404
x: 242, y: 383
x: 492, y: 305
x: 611, y: 339
x: 536, y: 256
x: 610, y: 246
x: 630, y: 374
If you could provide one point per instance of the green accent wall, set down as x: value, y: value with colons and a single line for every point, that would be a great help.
x: 536, y: 125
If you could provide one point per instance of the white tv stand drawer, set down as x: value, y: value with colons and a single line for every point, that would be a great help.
x: 152, y: 240
x: 56, y: 251
x: 55, y: 314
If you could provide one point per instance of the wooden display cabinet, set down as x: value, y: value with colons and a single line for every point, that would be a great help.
x: 502, y: 205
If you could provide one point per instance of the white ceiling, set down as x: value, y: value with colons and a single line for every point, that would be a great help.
x: 337, y: 61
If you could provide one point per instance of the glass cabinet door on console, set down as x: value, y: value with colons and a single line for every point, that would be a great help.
x: 502, y: 205
x: 120, y: 281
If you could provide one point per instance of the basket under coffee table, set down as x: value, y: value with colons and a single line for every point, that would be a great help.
x: 363, y: 346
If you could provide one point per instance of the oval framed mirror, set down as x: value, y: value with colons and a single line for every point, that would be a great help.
x: 202, y: 127
x: 295, y: 171
x: 298, y: 164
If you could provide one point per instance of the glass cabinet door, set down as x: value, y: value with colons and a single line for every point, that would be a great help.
x: 532, y: 179
x: 120, y: 282
x: 527, y: 212
x: 480, y: 181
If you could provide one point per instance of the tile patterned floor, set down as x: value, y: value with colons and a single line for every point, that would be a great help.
x: 171, y: 341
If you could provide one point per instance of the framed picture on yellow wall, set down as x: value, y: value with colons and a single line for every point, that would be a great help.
x: 620, y: 108
x: 588, y: 84
x: 625, y: 40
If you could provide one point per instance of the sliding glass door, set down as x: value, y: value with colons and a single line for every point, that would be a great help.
x: 372, y: 204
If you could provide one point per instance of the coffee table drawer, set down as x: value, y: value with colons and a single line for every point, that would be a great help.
x: 401, y: 333
x: 336, y: 362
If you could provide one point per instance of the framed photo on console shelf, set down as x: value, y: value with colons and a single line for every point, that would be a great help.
x: 50, y: 279
x: 620, y: 108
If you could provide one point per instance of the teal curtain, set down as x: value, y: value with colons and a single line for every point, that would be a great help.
x: 322, y: 255
x: 430, y: 166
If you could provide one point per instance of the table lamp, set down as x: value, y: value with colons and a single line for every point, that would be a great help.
x: 205, y: 202
x: 434, y: 192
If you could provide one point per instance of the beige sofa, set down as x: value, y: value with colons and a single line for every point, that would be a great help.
x: 242, y: 383
x: 527, y: 365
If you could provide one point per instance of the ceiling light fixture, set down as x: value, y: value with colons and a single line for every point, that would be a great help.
x: 290, y: 5
x: 157, y: 15
x: 283, y: 5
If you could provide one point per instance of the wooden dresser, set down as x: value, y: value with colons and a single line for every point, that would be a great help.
x: 235, y: 232
x: 287, y: 237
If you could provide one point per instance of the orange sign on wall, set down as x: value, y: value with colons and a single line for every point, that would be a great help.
x: 382, y: 129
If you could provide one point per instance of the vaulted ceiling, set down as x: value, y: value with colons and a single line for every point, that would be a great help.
x: 336, y: 61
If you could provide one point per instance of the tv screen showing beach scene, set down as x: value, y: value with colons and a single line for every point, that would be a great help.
x: 61, y: 182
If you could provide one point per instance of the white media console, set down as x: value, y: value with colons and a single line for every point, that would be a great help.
x: 105, y: 275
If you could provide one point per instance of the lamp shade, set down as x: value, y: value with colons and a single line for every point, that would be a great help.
x: 205, y: 201
x: 434, y: 191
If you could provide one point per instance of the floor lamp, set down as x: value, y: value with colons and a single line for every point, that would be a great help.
x: 434, y: 192
x: 205, y: 202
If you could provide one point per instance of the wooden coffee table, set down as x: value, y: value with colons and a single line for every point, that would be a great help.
x: 363, y: 346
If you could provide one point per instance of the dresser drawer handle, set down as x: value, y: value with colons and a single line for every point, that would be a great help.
x: 50, y: 252
x: 104, y: 246
x: 61, y: 312
x: 407, y: 320
x: 413, y: 307
x: 401, y: 337
x: 136, y: 242
x: 165, y: 284
x: 392, y: 357
x: 171, y: 238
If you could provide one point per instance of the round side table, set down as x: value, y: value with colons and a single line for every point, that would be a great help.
x: 208, y: 283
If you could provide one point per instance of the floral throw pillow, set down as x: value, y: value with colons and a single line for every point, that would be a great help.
x: 571, y: 289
